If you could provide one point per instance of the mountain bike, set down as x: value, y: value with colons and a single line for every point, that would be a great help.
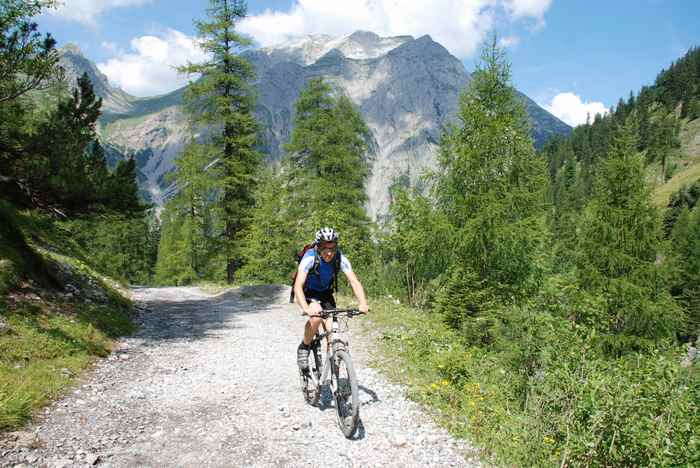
x: 335, y: 361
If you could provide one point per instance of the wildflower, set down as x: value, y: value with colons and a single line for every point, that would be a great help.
x: 548, y: 440
x: 445, y: 382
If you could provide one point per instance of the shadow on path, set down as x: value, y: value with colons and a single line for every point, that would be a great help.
x: 197, y: 316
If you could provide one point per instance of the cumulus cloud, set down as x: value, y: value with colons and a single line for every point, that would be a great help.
x: 149, y: 67
x: 459, y: 25
x: 571, y: 109
x: 528, y: 8
x: 509, y: 41
x: 87, y: 11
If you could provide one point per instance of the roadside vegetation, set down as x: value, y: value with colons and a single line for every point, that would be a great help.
x: 67, y: 223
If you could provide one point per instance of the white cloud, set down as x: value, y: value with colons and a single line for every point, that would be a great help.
x: 528, y: 8
x: 87, y: 11
x: 149, y: 68
x: 572, y: 110
x: 459, y: 25
x: 509, y: 41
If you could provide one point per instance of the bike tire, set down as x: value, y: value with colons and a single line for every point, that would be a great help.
x: 310, y: 388
x: 346, y: 394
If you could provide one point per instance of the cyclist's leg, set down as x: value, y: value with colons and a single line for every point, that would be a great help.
x: 313, y: 323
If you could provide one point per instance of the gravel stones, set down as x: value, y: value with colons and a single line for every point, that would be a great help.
x: 211, y: 380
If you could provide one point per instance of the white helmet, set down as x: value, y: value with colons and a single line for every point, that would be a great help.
x: 326, y: 234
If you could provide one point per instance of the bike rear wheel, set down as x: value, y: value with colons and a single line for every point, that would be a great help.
x: 346, y: 393
x: 309, y: 379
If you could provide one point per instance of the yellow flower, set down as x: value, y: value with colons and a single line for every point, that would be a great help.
x: 433, y: 386
x: 548, y: 440
x: 445, y: 382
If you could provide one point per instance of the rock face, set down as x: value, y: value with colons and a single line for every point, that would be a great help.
x: 406, y: 89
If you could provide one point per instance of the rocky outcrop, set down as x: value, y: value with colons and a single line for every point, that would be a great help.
x: 406, y: 89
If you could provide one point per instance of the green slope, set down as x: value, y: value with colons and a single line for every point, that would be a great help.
x: 688, y: 163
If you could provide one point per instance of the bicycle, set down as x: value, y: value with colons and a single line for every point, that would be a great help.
x: 337, y: 361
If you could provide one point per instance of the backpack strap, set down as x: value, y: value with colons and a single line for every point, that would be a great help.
x: 336, y: 268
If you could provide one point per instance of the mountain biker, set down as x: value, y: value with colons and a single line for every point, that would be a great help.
x: 313, y: 292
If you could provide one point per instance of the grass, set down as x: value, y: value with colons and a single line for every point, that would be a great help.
x: 688, y: 164
x: 45, y: 339
x: 45, y: 346
x: 575, y: 407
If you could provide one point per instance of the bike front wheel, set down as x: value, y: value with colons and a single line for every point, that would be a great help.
x: 345, y: 393
x: 309, y: 379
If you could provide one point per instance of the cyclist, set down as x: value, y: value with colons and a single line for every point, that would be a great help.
x: 314, y: 282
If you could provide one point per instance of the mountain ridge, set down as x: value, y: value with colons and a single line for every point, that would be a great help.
x: 406, y: 90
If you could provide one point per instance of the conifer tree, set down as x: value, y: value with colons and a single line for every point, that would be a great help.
x: 223, y: 98
x: 686, y: 256
x: 663, y: 137
x: 189, y: 216
x: 492, y: 185
x: 618, y: 244
x: 269, y: 241
x: 28, y: 61
x: 326, y: 167
x: 61, y: 154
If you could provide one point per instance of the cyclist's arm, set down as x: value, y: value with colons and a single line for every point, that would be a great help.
x: 299, y: 296
x: 358, y: 290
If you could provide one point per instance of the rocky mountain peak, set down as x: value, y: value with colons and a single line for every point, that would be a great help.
x: 74, y: 63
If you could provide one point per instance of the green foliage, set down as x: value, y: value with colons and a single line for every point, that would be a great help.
x: 542, y: 394
x: 492, y: 185
x: 118, y: 246
x: 618, y: 244
x: 223, y: 97
x: 321, y: 183
x: 467, y: 305
x: 417, y: 247
x: 27, y: 60
x: 694, y: 109
x: 268, y: 249
x: 190, y: 221
x: 662, y: 140
x: 685, y: 239
x: 687, y: 197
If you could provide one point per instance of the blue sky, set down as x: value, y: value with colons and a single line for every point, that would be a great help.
x: 571, y: 56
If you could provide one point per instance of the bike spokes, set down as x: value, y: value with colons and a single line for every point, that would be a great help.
x: 346, y: 394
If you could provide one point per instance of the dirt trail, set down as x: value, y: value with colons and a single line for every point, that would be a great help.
x: 210, y: 380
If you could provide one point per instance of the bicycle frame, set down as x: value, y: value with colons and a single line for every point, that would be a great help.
x: 333, y: 344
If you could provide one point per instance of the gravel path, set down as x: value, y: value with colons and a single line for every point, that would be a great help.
x: 211, y: 380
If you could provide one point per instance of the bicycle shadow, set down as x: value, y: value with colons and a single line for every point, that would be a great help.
x: 326, y: 402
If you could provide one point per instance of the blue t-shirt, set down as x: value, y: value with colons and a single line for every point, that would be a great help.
x: 324, y: 280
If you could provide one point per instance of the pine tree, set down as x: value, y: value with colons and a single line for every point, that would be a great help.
x: 618, y: 244
x: 61, y: 158
x: 492, y: 186
x: 223, y: 97
x: 28, y: 61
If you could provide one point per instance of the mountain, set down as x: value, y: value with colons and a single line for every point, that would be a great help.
x: 406, y: 89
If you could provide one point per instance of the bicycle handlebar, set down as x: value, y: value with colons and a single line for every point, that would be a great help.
x: 335, y: 312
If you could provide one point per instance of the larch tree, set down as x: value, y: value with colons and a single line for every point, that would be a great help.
x: 326, y: 166
x: 222, y: 98
x: 618, y: 248
x: 492, y: 185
